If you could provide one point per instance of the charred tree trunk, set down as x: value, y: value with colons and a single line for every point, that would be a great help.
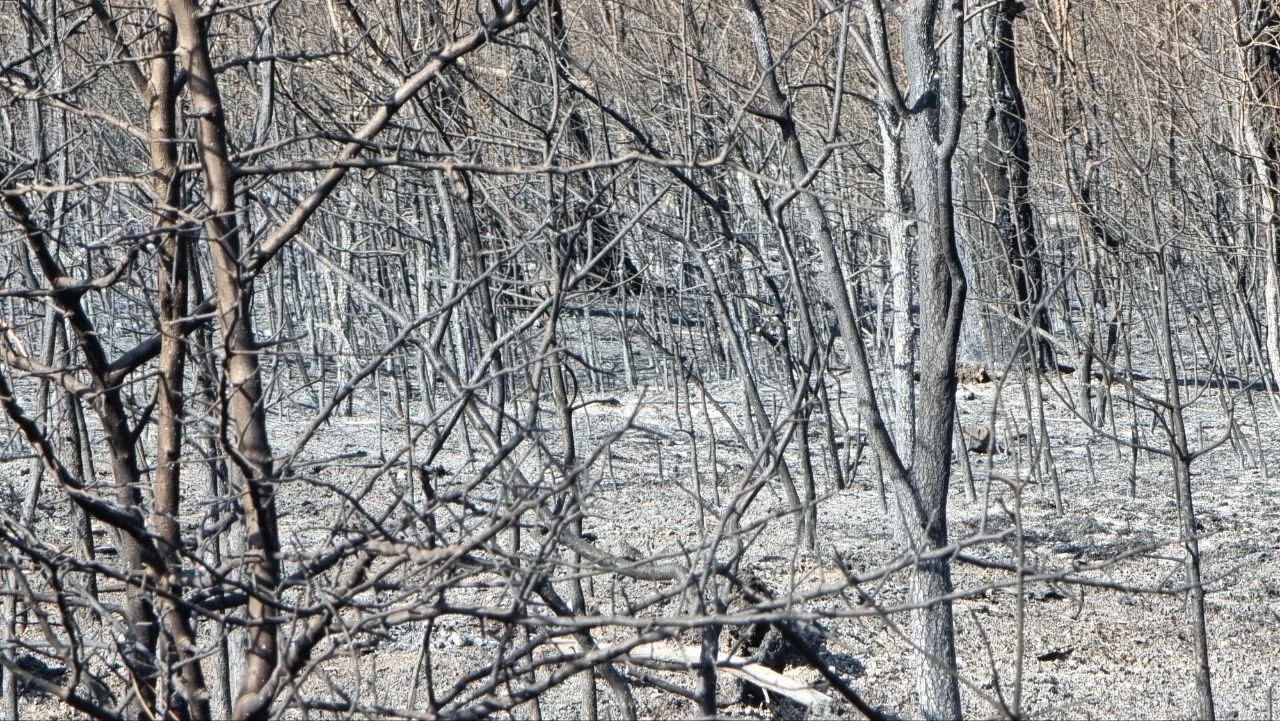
x: 998, y: 192
x: 1259, y: 41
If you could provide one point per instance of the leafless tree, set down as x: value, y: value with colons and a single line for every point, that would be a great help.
x: 330, y: 338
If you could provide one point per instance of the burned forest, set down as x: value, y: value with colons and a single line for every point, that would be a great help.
x: 534, y: 359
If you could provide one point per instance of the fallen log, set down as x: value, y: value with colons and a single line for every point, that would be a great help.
x: 680, y: 657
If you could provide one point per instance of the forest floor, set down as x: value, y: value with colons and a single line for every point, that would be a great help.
x: 1087, y: 651
x: 1119, y: 647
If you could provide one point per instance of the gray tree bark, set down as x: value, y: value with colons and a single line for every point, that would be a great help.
x: 933, y: 42
x: 934, y: 106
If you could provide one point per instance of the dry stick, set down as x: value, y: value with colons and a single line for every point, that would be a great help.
x: 617, y: 682
x: 1046, y: 447
x: 807, y: 524
x: 799, y: 645
x: 9, y: 682
x: 991, y: 663
x: 228, y: 655
x: 81, y: 454
x: 695, y: 464
x: 1037, y: 439
x: 32, y: 498
x: 564, y: 410
x: 962, y: 451
x: 711, y: 446
x: 837, y: 470
x: 1133, y: 428
x: 1020, y: 604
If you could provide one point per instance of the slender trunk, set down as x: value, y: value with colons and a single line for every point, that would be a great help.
x: 166, y: 488
x: 246, y: 417
x: 138, y: 554
x: 1180, y: 452
x: 898, y: 226
x: 896, y: 223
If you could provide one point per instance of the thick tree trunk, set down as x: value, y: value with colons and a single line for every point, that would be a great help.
x: 932, y: 130
x: 930, y: 115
